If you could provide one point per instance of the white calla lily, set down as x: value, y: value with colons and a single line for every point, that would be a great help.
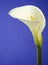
x: 33, y: 17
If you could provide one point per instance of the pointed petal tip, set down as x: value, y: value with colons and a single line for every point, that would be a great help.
x: 9, y: 13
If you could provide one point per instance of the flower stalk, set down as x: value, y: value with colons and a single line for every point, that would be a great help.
x: 39, y: 54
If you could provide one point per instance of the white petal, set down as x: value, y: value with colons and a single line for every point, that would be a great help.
x: 23, y: 13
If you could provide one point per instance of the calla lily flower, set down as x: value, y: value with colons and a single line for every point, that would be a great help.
x: 33, y: 17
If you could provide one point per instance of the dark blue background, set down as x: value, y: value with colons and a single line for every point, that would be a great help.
x: 16, y: 42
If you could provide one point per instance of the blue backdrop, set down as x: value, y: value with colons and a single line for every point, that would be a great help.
x: 16, y: 42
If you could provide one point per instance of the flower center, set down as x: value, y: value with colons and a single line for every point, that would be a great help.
x: 32, y: 18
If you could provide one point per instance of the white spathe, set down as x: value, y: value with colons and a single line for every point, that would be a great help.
x: 31, y: 15
x: 24, y: 14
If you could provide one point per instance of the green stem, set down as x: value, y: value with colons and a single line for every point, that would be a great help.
x: 39, y: 55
